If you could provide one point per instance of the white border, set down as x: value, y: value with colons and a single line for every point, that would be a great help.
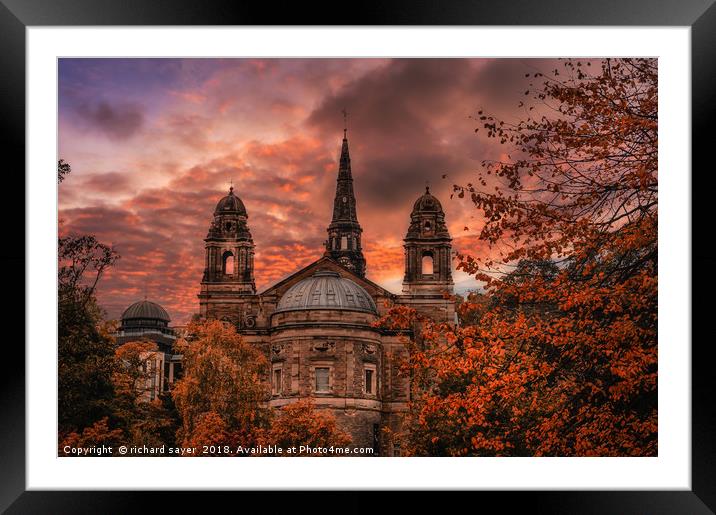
x: 671, y: 470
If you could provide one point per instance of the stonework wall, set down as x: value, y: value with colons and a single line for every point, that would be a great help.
x: 436, y: 307
x: 362, y: 425
x: 341, y: 340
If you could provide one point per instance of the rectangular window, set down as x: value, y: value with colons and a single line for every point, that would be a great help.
x: 178, y: 373
x: 322, y: 379
x: 152, y: 371
x: 276, y: 381
x: 165, y: 381
x: 370, y: 380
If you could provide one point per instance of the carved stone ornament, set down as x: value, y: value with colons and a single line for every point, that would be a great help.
x: 250, y: 321
x: 324, y: 347
x: 369, y: 348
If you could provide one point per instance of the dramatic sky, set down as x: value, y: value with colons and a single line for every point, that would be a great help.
x: 154, y: 144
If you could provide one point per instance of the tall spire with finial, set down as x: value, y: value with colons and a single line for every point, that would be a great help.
x: 344, y: 168
x: 344, y: 232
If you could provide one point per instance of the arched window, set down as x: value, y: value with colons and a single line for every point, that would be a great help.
x: 344, y: 242
x: 228, y: 266
x: 427, y: 264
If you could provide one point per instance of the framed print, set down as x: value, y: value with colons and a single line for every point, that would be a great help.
x: 421, y: 249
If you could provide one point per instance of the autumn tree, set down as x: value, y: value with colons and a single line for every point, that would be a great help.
x: 95, y: 435
x: 221, y: 393
x: 85, y: 344
x: 85, y: 350
x: 300, y: 424
x: 131, y: 373
x: 100, y: 388
x: 151, y: 422
x: 563, y: 361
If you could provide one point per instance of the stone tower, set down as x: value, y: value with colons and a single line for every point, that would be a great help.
x: 428, y: 260
x: 229, y: 261
x: 344, y: 232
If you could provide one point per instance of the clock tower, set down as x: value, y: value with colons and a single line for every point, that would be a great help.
x: 344, y: 233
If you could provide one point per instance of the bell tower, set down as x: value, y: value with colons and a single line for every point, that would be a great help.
x: 344, y: 233
x: 428, y: 259
x: 229, y: 261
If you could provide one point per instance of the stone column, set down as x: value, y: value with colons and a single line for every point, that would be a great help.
x: 212, y: 263
x: 407, y: 270
x: 447, y: 263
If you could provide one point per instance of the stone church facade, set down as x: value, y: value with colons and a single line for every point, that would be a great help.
x: 316, y: 325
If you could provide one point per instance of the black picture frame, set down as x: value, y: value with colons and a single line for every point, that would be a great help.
x: 17, y: 15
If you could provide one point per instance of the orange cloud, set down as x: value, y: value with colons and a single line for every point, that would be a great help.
x: 177, y: 132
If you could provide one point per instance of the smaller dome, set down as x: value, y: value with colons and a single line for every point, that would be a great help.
x: 427, y: 203
x: 230, y: 204
x: 145, y: 309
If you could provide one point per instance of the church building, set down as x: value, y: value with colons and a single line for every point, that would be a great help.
x: 315, y: 326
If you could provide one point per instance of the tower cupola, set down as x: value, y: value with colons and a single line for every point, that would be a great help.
x: 229, y: 248
x: 428, y: 249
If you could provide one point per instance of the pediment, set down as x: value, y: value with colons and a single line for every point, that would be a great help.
x: 278, y: 289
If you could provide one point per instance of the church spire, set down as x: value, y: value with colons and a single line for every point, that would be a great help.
x: 344, y: 203
x: 344, y: 168
x: 344, y: 232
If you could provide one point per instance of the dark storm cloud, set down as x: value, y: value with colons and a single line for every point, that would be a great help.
x: 502, y: 83
x: 408, y: 123
x: 394, y: 100
x: 398, y: 178
x: 119, y: 121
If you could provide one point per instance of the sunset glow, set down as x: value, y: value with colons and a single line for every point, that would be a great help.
x: 155, y: 143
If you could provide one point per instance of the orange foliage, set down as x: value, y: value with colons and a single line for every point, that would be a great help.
x: 559, y: 358
x: 223, y: 387
x: 131, y: 372
x: 299, y: 424
x: 96, y: 435
x: 210, y: 430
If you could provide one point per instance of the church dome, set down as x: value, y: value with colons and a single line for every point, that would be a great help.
x: 427, y: 203
x: 230, y: 204
x: 326, y: 289
x: 145, y: 310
